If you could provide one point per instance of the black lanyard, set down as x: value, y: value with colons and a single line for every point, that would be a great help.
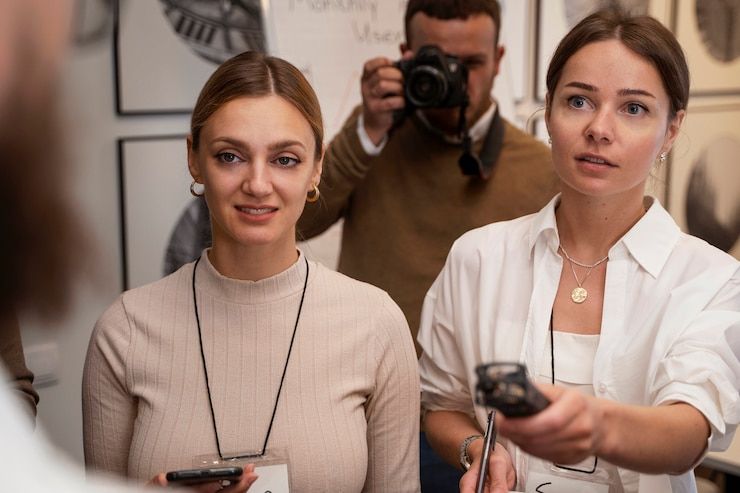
x: 282, y: 378
x: 552, y: 368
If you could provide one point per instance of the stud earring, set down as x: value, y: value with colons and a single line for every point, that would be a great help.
x: 662, y: 157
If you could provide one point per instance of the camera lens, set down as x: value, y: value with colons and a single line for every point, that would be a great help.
x: 426, y: 86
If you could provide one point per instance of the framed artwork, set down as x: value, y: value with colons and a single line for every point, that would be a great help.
x: 704, y: 178
x: 557, y: 17
x: 709, y: 31
x: 162, y: 224
x: 165, y: 50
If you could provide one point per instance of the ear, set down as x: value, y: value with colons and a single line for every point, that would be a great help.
x: 318, y: 168
x: 674, y: 126
x: 403, y: 48
x: 193, y: 164
x: 548, y: 102
x: 499, y: 53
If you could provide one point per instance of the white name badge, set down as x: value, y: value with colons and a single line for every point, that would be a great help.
x: 547, y: 483
x: 273, y: 478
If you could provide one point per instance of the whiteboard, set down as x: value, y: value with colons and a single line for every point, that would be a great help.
x: 329, y: 41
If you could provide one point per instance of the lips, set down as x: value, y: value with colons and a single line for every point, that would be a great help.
x: 594, y: 159
x: 256, y: 210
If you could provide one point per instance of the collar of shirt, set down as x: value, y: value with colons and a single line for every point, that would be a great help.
x: 650, y: 241
x: 477, y: 132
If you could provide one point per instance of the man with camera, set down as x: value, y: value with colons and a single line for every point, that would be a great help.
x: 427, y: 157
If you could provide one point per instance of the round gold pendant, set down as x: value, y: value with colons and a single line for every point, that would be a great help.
x: 578, y: 295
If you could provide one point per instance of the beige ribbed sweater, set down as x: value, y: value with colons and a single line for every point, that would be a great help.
x: 348, y: 413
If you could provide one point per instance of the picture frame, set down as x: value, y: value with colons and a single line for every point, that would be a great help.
x: 165, y: 50
x: 154, y: 192
x: 705, y: 31
x: 556, y: 17
x: 703, y: 177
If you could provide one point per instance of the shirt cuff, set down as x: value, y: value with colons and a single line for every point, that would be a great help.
x: 367, y: 144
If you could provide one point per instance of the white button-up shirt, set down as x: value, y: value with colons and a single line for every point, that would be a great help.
x: 670, y: 329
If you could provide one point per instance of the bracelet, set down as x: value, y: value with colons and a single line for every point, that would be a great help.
x: 464, y: 457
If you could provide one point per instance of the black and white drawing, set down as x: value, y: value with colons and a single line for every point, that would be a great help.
x: 704, y: 176
x: 557, y: 17
x: 154, y: 193
x: 712, y: 207
x: 709, y: 31
x: 165, y: 50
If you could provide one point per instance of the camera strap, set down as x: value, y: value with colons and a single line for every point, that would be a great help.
x: 481, y: 165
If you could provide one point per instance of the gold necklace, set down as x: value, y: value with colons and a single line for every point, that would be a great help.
x: 579, y: 293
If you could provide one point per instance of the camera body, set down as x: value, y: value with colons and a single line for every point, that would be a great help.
x: 434, y: 79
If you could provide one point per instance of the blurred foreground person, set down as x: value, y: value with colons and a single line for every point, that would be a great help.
x: 38, y: 231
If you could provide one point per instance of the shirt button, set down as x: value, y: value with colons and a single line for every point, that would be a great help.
x: 602, y: 388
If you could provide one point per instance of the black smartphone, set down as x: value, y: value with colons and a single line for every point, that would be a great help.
x: 188, y: 477
x: 505, y: 386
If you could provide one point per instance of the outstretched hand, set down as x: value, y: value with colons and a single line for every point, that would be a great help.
x: 568, y: 431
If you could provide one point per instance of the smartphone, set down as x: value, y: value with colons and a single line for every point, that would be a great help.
x: 505, y: 386
x: 188, y: 477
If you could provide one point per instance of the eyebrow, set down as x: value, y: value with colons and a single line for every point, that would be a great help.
x: 281, y: 144
x: 621, y: 92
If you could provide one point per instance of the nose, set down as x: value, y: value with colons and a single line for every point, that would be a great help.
x: 601, y: 127
x: 257, y: 180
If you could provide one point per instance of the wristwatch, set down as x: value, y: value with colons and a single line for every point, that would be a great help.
x: 464, y: 457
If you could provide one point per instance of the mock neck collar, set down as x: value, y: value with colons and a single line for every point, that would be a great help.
x: 273, y: 288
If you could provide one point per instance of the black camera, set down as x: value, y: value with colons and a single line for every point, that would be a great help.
x: 506, y: 387
x: 433, y: 79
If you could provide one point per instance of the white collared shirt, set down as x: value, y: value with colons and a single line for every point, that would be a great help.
x: 670, y: 328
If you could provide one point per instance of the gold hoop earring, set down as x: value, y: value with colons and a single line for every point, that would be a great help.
x: 193, y: 190
x: 313, y: 195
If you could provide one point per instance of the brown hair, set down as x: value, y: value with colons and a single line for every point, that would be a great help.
x: 42, y: 245
x: 254, y: 74
x: 454, y: 9
x: 643, y: 35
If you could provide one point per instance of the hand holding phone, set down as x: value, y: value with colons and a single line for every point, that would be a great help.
x: 505, y: 386
x: 189, y: 477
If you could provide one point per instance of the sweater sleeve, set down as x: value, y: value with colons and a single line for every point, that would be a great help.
x: 11, y: 354
x: 392, y: 409
x: 345, y: 166
x: 109, y: 410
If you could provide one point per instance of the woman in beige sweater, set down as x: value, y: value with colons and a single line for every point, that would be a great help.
x: 252, y: 350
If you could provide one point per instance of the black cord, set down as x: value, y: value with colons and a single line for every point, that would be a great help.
x: 552, y: 379
x: 282, y: 378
